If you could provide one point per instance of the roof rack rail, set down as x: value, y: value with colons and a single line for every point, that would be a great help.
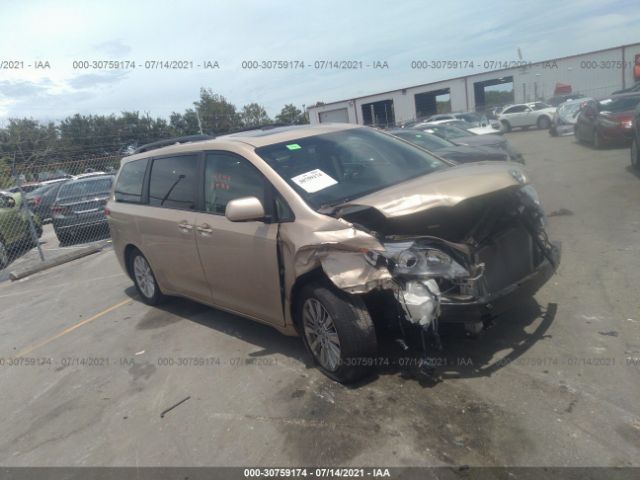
x: 172, y: 141
x: 267, y: 126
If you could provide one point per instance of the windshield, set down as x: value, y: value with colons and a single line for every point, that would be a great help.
x: 446, y: 131
x: 569, y: 110
x: 86, y: 187
x: 424, y: 139
x: 617, y: 105
x: 335, y: 167
x: 41, y: 190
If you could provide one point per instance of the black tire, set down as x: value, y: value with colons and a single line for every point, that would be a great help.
x: 635, y: 155
x: 4, y: 254
x: 353, y: 325
x: 576, y: 135
x: 506, y: 126
x: 596, y: 141
x: 543, y: 123
x: 150, y: 295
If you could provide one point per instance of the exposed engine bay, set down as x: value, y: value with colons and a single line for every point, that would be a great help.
x: 469, y: 255
x: 458, y: 249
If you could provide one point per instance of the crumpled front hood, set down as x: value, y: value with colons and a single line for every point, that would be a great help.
x: 444, y: 188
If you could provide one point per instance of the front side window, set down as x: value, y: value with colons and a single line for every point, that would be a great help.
x: 129, y: 184
x: 173, y: 182
x: 227, y: 177
x: 335, y: 167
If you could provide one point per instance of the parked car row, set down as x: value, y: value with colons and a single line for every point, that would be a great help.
x: 74, y: 205
x: 466, y: 138
x: 607, y: 121
x: 613, y: 120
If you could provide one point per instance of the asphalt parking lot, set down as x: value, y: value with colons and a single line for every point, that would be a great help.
x: 88, y: 369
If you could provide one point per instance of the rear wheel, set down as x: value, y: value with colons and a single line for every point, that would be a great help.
x: 543, y: 123
x: 338, y: 332
x: 144, y: 279
x: 635, y: 155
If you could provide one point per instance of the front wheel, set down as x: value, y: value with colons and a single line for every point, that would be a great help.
x: 338, y: 332
x: 596, y: 141
x: 635, y: 155
x: 145, y: 280
x: 506, y: 126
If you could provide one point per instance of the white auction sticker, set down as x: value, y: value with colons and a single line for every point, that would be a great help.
x: 314, y: 181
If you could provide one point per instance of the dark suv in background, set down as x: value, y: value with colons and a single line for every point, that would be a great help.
x: 79, y: 207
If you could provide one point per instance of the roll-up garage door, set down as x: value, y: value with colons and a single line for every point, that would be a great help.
x: 339, y: 115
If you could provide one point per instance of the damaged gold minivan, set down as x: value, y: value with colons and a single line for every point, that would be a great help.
x: 326, y: 231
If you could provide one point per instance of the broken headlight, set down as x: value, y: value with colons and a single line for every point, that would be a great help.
x: 428, y: 262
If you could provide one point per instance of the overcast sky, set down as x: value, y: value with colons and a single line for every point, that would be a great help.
x: 398, y: 32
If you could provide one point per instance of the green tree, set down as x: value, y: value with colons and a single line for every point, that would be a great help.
x: 254, y: 115
x: 27, y: 140
x: 184, y: 123
x: 217, y: 115
x: 290, y: 114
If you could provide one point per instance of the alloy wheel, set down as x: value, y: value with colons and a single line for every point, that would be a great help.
x: 321, y: 334
x: 144, y: 276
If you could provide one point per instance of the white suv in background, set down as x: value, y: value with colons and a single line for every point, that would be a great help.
x: 525, y: 115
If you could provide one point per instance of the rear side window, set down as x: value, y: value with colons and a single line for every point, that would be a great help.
x: 173, y: 182
x: 129, y: 186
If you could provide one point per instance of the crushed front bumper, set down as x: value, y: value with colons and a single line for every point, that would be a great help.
x: 495, y: 303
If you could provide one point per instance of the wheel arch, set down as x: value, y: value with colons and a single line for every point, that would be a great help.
x: 315, y: 275
x: 129, y: 250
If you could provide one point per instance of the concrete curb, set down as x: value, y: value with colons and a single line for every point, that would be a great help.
x: 54, y: 262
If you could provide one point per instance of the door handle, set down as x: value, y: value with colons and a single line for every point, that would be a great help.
x: 205, y: 228
x: 185, y: 226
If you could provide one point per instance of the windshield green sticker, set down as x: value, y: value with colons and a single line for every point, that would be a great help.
x: 294, y: 146
x: 418, y: 135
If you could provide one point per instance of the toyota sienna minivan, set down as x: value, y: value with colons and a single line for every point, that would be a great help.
x: 330, y: 232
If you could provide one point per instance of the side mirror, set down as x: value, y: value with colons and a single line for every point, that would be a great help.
x: 244, y: 210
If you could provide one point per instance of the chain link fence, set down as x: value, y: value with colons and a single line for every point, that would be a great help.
x: 46, y: 209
